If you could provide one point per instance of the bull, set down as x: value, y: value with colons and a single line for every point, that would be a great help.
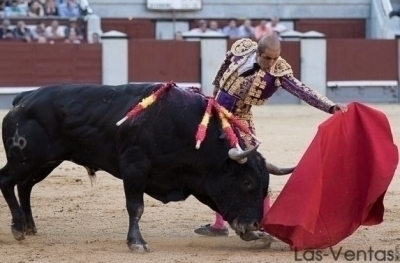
x: 153, y: 153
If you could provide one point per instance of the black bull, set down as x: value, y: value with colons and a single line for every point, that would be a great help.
x: 154, y: 153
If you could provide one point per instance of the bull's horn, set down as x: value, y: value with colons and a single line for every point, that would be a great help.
x: 239, y: 155
x: 272, y: 169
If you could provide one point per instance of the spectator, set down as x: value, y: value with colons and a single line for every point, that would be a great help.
x: 22, y: 32
x: 262, y: 29
x: 39, y: 33
x: 17, y: 8
x: 276, y: 26
x: 96, y: 38
x: 50, y: 8
x: 178, y: 36
x: 246, y: 30
x: 54, y: 31
x: 84, y: 7
x: 69, y: 9
x: 36, y: 9
x: 2, y: 5
x: 231, y: 30
x: 202, y: 27
x: 73, y: 37
x: 73, y: 27
x: 214, y: 26
x: 5, y: 31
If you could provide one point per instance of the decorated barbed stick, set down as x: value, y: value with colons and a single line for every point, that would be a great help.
x: 202, y: 128
x: 227, y: 128
x: 234, y: 120
x: 146, y: 102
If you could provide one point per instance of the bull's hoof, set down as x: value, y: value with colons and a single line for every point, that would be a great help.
x: 138, y: 248
x: 249, y: 236
x: 256, y: 235
x: 31, y: 231
x: 18, y: 235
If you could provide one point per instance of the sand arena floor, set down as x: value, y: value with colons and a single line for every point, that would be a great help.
x: 78, y: 222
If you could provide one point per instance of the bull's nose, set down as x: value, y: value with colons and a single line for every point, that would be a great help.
x: 241, y: 228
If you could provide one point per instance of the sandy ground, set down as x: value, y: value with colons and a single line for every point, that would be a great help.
x: 78, y: 222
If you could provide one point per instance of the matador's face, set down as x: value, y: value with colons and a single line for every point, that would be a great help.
x: 268, y: 58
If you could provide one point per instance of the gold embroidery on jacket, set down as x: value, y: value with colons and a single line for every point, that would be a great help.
x: 281, y: 68
x: 248, y: 89
x: 243, y: 47
x: 256, y: 89
x: 231, y: 69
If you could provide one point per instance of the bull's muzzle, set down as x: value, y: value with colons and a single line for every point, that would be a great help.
x: 241, y: 228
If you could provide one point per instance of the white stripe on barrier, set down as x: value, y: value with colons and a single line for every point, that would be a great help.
x: 362, y: 83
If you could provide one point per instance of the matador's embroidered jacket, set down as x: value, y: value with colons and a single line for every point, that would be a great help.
x: 241, y: 83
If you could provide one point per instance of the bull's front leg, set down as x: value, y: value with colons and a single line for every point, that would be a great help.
x: 135, y: 240
x: 134, y: 179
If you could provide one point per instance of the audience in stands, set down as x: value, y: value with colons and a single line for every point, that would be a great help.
x: 262, y: 29
x: 36, y: 30
x: 276, y: 25
x: 214, y: 26
x: 39, y: 33
x: 95, y: 38
x: 17, y: 8
x: 75, y: 30
x: 55, y: 31
x: 50, y: 8
x: 231, y: 30
x: 36, y: 9
x: 39, y: 8
x: 202, y: 27
x: 178, y: 36
x: 22, y: 32
x: 73, y: 37
x: 5, y: 31
x: 75, y: 9
x: 246, y: 29
x: 68, y: 9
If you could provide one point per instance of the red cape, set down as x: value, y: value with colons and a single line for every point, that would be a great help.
x: 340, y: 182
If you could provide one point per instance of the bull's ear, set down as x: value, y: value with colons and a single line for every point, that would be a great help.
x: 239, y: 155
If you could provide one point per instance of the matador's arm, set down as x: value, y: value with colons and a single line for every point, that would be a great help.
x: 285, y: 79
x: 307, y: 94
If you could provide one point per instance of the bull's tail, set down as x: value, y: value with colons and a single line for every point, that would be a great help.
x: 92, y: 174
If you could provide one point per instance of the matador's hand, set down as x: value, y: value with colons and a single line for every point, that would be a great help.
x: 339, y: 107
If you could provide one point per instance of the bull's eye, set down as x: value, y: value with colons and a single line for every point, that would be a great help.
x: 246, y: 183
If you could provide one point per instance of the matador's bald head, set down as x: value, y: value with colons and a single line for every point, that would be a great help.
x: 270, y: 42
x: 268, y: 51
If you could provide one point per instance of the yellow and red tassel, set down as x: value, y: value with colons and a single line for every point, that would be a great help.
x: 235, y: 121
x: 202, y: 128
x: 227, y: 128
x: 146, y: 102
